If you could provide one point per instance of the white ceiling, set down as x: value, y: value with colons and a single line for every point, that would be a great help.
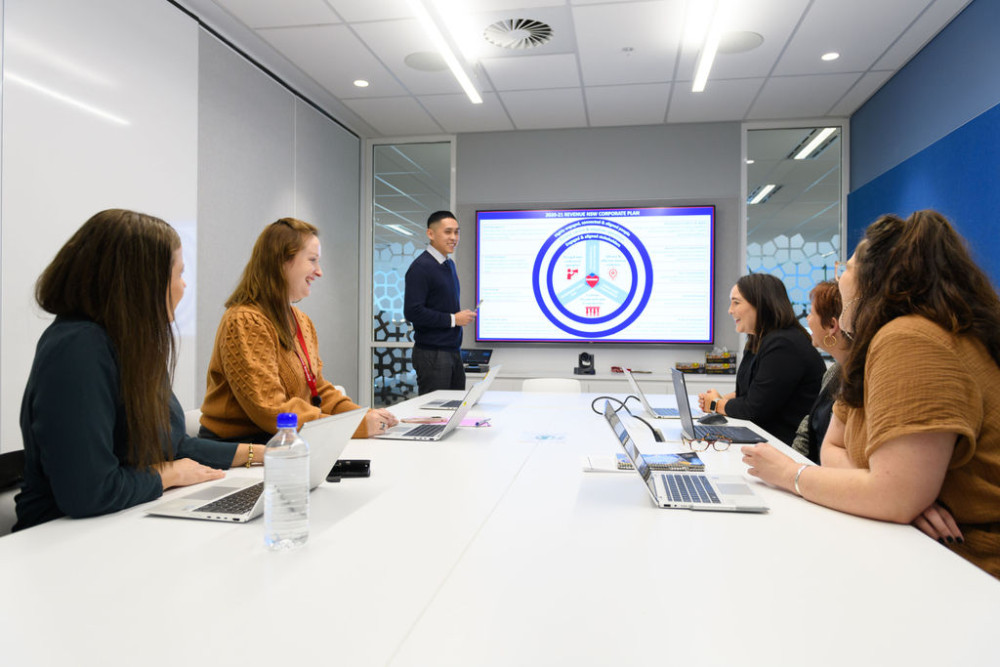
x: 610, y: 62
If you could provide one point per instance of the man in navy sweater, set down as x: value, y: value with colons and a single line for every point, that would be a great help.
x: 431, y: 304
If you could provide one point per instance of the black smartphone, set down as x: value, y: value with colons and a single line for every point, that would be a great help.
x: 350, y: 468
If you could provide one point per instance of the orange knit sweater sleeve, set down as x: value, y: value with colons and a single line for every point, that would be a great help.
x: 252, y: 378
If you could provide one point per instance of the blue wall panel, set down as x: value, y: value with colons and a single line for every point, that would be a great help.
x: 958, y: 175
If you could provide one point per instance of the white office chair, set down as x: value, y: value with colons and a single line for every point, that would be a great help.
x: 192, y: 421
x: 552, y: 386
x: 8, y: 517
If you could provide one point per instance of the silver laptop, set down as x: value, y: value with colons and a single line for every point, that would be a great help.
x: 686, y: 490
x: 455, y: 403
x: 692, y: 431
x: 437, y: 431
x: 240, y: 500
x: 655, y: 413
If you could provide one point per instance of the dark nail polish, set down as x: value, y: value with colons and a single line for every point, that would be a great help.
x: 950, y: 540
x: 959, y: 540
x: 941, y: 540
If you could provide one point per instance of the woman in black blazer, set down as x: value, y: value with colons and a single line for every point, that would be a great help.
x: 780, y: 374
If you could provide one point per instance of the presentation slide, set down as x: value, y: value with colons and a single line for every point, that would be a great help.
x: 626, y: 275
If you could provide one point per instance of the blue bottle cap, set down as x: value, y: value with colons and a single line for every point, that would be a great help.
x: 288, y: 420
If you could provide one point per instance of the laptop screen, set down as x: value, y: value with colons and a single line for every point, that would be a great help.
x: 683, y: 404
x: 625, y: 439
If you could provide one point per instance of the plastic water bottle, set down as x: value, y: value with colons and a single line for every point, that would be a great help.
x: 286, y: 487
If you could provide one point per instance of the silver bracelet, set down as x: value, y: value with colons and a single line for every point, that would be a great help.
x: 797, y: 490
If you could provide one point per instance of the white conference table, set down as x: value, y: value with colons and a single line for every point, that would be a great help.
x: 493, y: 547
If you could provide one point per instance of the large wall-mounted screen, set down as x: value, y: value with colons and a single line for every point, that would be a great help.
x: 610, y: 275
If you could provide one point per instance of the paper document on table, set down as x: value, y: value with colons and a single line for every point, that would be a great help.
x: 597, y: 463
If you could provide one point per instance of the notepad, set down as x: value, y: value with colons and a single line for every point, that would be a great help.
x: 679, y: 461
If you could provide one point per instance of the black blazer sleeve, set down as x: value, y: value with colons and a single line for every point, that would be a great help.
x: 778, y: 375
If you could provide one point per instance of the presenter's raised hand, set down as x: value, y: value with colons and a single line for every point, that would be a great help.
x: 184, y: 472
x: 464, y: 317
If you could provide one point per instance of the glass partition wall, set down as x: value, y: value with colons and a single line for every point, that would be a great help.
x: 409, y: 182
x: 795, y: 205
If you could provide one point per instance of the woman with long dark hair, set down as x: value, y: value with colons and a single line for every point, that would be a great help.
x: 266, y: 356
x: 780, y: 373
x: 102, y: 429
x: 915, y: 434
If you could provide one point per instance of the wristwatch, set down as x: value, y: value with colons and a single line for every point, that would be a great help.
x: 714, y: 404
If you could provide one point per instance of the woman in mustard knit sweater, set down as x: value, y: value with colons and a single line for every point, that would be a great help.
x: 266, y: 355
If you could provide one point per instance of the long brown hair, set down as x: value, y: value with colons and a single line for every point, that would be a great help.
x: 918, y: 266
x: 263, y: 283
x: 115, y: 271
x: 768, y: 296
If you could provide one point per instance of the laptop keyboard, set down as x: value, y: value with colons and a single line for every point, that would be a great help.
x: 667, y: 412
x: 688, y: 488
x: 425, y: 431
x: 240, y: 502
x: 451, y: 404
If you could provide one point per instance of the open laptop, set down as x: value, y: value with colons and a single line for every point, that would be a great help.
x: 686, y: 490
x: 455, y: 403
x: 655, y: 413
x: 692, y: 431
x: 437, y: 431
x: 240, y: 500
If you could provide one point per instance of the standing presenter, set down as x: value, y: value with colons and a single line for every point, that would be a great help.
x: 432, y: 305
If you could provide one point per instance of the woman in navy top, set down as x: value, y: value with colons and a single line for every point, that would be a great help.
x: 102, y: 429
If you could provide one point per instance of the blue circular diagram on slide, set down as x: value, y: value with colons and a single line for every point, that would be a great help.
x: 592, y: 278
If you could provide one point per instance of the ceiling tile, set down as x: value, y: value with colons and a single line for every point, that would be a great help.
x: 544, y: 109
x: 856, y: 29
x: 334, y: 57
x: 392, y: 41
x: 456, y: 114
x: 370, y: 10
x: 721, y: 100
x: 773, y: 21
x: 267, y: 13
x: 650, y: 29
x: 785, y: 97
x: 635, y: 104
x: 859, y: 94
x: 395, y: 116
x: 533, y: 72
x: 922, y: 31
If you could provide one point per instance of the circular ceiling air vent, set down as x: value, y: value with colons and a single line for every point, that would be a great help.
x: 518, y: 33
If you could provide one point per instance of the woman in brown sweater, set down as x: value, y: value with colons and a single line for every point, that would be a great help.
x: 266, y: 355
x: 915, y: 434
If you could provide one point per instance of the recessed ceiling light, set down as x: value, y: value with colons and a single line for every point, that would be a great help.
x: 833, y: 55
x: 749, y: 161
x: 361, y: 83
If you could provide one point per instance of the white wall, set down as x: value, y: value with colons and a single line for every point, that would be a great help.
x: 62, y: 162
x: 650, y: 165
x: 265, y: 154
x: 211, y: 143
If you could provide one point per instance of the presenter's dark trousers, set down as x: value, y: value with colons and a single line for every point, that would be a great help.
x: 438, y: 369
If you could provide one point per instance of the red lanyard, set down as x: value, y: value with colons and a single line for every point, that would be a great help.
x: 310, y: 378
